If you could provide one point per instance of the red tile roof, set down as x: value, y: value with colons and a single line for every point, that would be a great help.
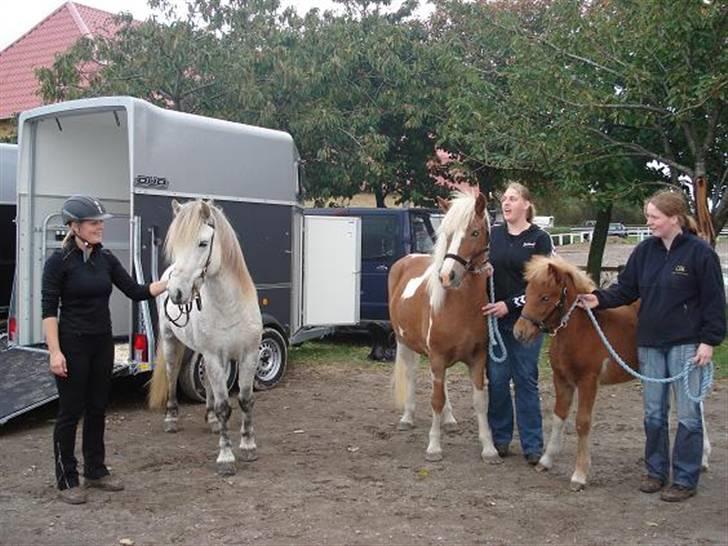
x: 39, y: 46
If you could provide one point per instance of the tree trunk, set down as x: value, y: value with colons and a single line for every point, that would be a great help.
x: 598, y: 243
x: 705, y: 222
x: 380, y: 195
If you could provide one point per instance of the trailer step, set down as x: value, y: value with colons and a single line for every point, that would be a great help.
x: 25, y: 381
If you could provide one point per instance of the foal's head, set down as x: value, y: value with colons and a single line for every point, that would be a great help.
x: 553, y: 283
x: 464, y: 238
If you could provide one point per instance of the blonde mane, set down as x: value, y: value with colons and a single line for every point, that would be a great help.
x: 538, y: 270
x: 185, y: 229
x: 458, y: 217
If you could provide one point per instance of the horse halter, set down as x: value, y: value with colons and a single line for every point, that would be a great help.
x: 186, y: 308
x: 469, y: 266
x: 558, y: 308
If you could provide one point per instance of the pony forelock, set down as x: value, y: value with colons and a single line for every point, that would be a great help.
x: 538, y: 270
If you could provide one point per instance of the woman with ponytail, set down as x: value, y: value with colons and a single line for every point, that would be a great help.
x: 678, y: 278
x: 512, y: 245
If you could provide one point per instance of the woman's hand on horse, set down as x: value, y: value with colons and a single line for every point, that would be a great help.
x: 704, y: 355
x: 58, y: 364
x: 157, y: 288
x: 498, y: 309
x: 587, y: 301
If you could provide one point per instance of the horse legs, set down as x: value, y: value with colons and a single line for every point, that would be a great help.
x: 246, y: 377
x: 448, y: 419
x: 406, y: 361
x: 215, y: 370
x: 477, y: 368
x: 172, y: 350
x: 564, y: 396
x: 705, y: 464
x: 210, y: 416
x: 434, y: 450
x: 587, y: 389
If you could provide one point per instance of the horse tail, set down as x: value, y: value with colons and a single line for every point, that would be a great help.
x: 399, y: 377
x: 158, y: 387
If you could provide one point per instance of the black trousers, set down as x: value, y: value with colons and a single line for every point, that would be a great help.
x: 83, y: 393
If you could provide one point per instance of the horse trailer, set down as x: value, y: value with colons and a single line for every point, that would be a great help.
x: 137, y: 158
x: 8, y: 167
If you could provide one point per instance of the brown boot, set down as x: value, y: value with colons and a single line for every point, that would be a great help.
x: 72, y: 495
x: 677, y: 493
x: 651, y: 485
x: 106, y: 483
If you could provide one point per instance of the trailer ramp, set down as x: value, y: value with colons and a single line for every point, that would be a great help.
x: 25, y: 381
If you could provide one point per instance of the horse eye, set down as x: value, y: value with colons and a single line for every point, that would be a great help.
x: 475, y: 233
x: 544, y: 298
x: 203, y: 244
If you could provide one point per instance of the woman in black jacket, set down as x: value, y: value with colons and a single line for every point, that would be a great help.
x: 79, y: 278
x: 512, y: 245
x: 678, y: 278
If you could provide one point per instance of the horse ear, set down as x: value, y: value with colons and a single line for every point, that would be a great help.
x: 480, y: 204
x: 175, y: 206
x: 205, y: 210
x: 444, y: 204
x: 556, y: 273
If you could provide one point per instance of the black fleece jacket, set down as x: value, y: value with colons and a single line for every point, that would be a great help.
x: 83, y: 288
x: 508, y: 256
x: 681, y: 292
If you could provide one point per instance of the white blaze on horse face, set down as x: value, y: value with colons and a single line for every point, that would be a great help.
x: 186, y: 276
x: 450, y: 272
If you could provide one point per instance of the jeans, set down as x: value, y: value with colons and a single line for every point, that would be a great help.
x: 83, y: 393
x: 522, y: 367
x: 687, y: 450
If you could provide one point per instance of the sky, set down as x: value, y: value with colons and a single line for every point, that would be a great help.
x: 16, y: 18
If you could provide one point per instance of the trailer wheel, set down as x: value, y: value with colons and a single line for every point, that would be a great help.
x: 272, y: 360
x: 192, y: 377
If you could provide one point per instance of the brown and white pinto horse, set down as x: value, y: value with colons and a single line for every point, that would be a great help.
x: 435, y: 310
x: 579, y: 360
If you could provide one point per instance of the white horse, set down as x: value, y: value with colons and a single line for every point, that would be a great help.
x: 211, y: 307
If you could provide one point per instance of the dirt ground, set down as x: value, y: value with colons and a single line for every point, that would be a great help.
x: 333, y: 469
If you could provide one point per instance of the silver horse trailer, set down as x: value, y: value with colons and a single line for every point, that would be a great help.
x: 8, y: 168
x: 136, y: 158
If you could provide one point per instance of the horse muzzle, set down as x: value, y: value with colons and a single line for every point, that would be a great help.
x: 526, y: 330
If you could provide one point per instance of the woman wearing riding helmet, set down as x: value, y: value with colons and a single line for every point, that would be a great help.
x: 78, y: 278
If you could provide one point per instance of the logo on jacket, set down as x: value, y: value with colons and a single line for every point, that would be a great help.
x: 680, y: 270
x: 529, y: 245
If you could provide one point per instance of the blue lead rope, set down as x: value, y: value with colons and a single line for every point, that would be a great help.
x: 494, y: 334
x: 706, y: 372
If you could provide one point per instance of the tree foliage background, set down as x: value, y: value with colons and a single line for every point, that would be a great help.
x: 572, y: 97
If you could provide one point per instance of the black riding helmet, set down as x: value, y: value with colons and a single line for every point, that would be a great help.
x: 83, y: 207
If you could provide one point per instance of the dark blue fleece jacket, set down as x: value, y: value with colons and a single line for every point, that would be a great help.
x: 681, y: 291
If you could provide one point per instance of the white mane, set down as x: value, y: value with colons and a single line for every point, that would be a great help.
x: 458, y: 218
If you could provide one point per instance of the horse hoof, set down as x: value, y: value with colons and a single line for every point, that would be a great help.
x: 170, y: 426
x: 541, y: 467
x: 704, y: 467
x: 491, y: 459
x: 404, y: 425
x: 450, y: 427
x: 248, y: 455
x: 226, y: 469
x: 434, y: 456
x: 215, y: 428
x: 577, y: 487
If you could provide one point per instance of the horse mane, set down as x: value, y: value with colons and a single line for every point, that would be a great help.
x: 186, y: 226
x: 538, y: 269
x: 458, y: 217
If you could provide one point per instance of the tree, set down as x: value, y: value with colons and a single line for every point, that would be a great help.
x: 166, y: 64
